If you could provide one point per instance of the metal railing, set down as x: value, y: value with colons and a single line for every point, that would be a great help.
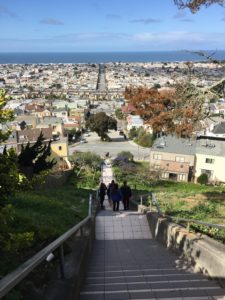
x: 8, y: 282
x: 152, y: 200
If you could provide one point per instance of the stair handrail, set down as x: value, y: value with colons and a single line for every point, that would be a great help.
x: 9, y: 281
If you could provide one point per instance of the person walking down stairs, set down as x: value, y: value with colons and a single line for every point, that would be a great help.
x: 116, y: 197
x: 102, y: 192
x: 126, y: 192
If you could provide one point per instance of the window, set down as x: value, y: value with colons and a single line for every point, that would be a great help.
x: 209, y: 161
x: 179, y: 159
x: 164, y: 175
x: 60, y: 148
x: 157, y: 167
x: 157, y: 156
x: 182, y: 177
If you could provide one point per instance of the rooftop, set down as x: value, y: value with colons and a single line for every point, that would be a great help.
x: 173, y: 144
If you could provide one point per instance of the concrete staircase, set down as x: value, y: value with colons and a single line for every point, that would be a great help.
x: 126, y: 263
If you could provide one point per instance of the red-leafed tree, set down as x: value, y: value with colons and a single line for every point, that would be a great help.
x: 177, y: 110
x: 195, y: 5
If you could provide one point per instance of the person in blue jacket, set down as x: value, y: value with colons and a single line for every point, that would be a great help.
x: 116, y: 196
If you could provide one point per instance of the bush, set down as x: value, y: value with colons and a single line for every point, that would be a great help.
x: 146, y: 140
x: 86, y: 159
x: 203, y: 178
x: 132, y: 133
x: 125, y: 156
x: 141, y: 137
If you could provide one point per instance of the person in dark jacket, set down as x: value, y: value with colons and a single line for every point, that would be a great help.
x: 102, y: 191
x: 126, y: 193
x: 109, y: 188
x: 116, y: 196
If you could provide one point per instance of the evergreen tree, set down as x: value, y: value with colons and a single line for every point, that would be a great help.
x: 34, y: 159
x: 9, y: 176
x: 42, y: 163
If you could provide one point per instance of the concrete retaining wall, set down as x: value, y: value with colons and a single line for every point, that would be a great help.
x: 203, y: 253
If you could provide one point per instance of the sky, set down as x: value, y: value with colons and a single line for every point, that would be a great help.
x: 103, y: 25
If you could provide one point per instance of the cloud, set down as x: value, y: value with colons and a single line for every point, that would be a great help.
x: 113, y: 17
x: 117, y: 41
x: 181, y: 39
x: 145, y: 21
x: 5, y: 11
x: 182, y: 17
x: 91, y: 36
x: 51, y: 21
x: 187, y: 20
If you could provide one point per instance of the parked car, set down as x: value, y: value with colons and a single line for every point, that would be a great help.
x: 83, y: 141
x: 86, y: 134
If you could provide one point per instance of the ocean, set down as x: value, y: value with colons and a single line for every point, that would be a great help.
x: 104, y: 57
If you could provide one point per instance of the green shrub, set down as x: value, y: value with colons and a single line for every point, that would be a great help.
x: 132, y: 133
x: 146, y: 140
x: 125, y: 156
x: 203, y: 178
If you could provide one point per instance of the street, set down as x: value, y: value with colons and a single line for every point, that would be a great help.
x: 118, y: 144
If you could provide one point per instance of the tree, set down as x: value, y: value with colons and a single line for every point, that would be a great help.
x: 5, y: 115
x: 132, y: 133
x: 101, y: 123
x: 34, y: 159
x: 72, y: 134
x: 177, y: 110
x: 143, y: 138
x: 9, y: 176
x: 119, y: 114
x: 195, y: 5
x: 87, y: 160
x: 87, y: 165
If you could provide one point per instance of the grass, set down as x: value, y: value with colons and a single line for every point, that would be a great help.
x: 43, y: 215
x: 206, y: 203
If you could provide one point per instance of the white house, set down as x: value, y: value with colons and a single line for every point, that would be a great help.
x: 134, y: 121
x: 210, y: 159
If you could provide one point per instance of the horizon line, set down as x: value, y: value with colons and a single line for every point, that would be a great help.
x: 116, y: 51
